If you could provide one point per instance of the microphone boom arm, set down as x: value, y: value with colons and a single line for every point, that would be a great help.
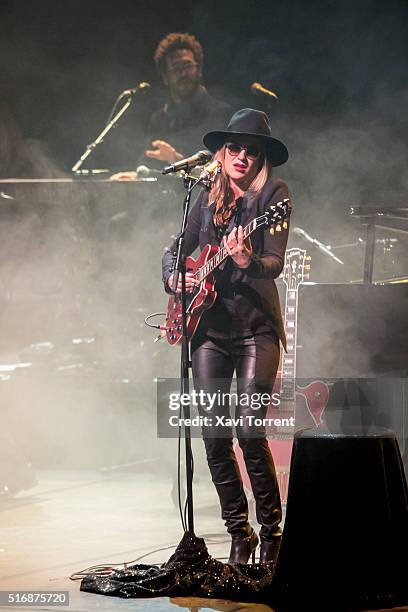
x: 300, y: 232
x: 90, y: 148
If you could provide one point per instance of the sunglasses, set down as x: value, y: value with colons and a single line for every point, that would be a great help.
x: 182, y: 67
x: 251, y: 151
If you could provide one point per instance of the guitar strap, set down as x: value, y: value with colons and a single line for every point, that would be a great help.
x: 238, y: 212
x: 235, y: 221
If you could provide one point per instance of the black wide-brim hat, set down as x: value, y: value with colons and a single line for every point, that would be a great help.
x: 250, y: 122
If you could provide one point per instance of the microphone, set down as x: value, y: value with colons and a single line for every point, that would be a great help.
x: 127, y: 93
x: 208, y: 173
x: 259, y: 90
x: 143, y: 87
x: 202, y: 157
x: 143, y: 171
x: 300, y: 232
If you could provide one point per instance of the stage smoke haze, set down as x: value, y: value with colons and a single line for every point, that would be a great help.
x: 80, y: 264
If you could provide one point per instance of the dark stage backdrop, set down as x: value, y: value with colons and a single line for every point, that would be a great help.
x: 340, y: 69
x: 63, y: 63
x: 80, y: 264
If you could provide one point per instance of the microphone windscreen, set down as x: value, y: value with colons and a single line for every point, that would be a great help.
x: 143, y: 171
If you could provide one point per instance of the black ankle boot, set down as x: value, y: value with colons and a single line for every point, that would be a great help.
x: 269, y: 550
x: 243, y: 548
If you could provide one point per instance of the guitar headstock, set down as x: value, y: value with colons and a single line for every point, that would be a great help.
x: 275, y: 216
x: 295, y: 268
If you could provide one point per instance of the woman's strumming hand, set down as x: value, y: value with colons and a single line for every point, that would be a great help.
x: 191, y: 282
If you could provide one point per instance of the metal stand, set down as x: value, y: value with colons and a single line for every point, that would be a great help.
x: 89, y: 148
x: 179, y: 268
x: 393, y: 219
x: 369, y: 254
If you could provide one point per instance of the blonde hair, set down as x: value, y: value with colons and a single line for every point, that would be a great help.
x: 221, y: 186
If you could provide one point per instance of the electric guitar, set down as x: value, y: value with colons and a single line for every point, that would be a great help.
x: 203, y: 267
x: 308, y: 402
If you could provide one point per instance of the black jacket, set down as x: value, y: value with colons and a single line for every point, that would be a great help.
x: 247, y: 299
x: 183, y: 125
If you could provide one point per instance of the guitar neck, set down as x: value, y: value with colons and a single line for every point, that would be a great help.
x: 222, y: 254
x: 289, y: 358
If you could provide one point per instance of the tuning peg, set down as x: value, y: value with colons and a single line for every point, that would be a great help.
x: 308, y: 258
x: 306, y: 276
x: 285, y: 225
x: 307, y: 267
x: 272, y: 231
x: 278, y: 228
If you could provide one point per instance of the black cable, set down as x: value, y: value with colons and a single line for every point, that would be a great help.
x: 182, y: 514
x: 183, y: 510
x: 192, y: 476
x: 103, y: 569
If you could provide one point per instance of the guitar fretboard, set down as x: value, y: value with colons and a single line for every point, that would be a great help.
x: 274, y: 215
x: 222, y: 254
x: 289, y: 358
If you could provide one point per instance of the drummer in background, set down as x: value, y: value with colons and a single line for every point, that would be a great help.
x: 175, y: 130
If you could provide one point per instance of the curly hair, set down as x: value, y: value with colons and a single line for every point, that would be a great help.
x: 173, y: 41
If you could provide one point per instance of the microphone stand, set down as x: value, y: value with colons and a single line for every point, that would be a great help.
x: 90, y: 148
x: 179, y: 267
x: 325, y: 249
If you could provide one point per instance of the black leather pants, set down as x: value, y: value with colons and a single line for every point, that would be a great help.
x: 255, y: 361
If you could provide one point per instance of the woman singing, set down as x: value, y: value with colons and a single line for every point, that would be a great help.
x: 241, y: 332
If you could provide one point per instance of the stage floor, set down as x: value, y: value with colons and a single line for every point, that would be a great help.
x: 73, y: 520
